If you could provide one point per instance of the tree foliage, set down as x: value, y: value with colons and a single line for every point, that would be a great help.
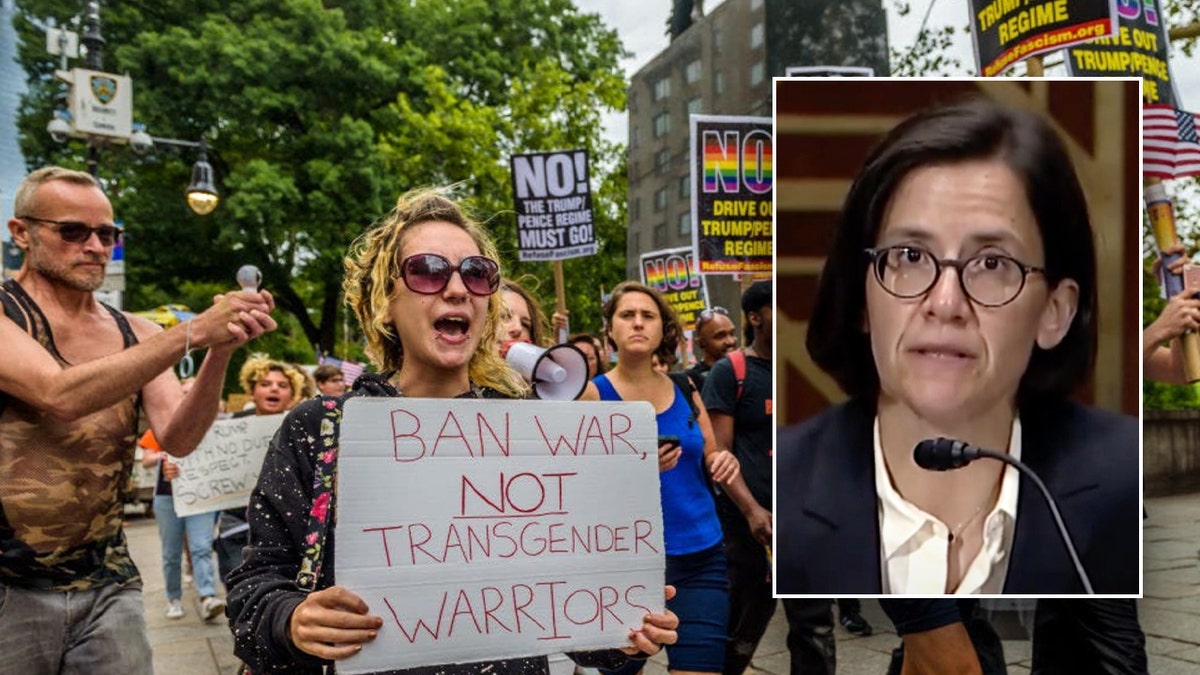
x: 318, y: 115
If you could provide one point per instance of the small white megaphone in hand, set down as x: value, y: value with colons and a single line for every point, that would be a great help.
x: 556, y: 374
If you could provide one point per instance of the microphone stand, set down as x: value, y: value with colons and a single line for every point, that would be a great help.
x: 1058, y: 521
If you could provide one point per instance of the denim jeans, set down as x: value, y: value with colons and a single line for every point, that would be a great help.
x: 73, y: 632
x: 199, y: 528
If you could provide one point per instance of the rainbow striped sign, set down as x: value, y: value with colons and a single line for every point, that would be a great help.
x: 732, y: 193
x: 672, y: 272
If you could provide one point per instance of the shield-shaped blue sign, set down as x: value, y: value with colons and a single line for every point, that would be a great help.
x: 104, y: 88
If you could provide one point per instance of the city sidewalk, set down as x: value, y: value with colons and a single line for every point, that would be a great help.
x: 1170, y: 611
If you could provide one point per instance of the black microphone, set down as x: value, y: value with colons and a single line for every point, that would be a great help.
x: 945, y: 454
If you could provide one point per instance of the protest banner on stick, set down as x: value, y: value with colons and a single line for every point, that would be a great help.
x: 731, y: 194
x: 1162, y: 223
x: 1007, y: 31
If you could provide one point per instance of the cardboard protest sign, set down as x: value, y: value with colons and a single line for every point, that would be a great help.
x: 1139, y: 49
x: 554, y: 205
x: 224, y: 467
x: 672, y: 272
x: 1006, y: 31
x: 731, y: 193
x: 485, y: 529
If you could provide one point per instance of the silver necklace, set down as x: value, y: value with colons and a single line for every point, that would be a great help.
x: 957, y: 529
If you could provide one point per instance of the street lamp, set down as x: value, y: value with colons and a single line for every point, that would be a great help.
x: 100, y: 109
x: 201, y: 193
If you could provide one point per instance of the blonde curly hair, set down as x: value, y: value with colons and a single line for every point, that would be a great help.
x: 258, y: 365
x: 373, y: 267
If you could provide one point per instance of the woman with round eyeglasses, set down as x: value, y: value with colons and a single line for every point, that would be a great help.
x: 959, y: 301
x: 423, y: 284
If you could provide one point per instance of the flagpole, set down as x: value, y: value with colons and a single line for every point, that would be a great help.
x: 1034, y: 67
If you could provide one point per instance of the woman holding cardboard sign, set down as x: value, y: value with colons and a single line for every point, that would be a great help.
x: 423, y: 285
x: 642, y: 327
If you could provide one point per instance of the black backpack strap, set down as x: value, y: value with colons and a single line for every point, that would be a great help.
x: 12, y: 308
x: 684, y: 383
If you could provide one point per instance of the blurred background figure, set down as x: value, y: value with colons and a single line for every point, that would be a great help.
x: 330, y: 380
x: 521, y: 318
x: 716, y: 336
x: 274, y: 387
x: 198, y: 529
x: 587, y: 344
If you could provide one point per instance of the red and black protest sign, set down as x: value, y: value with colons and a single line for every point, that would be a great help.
x: 1007, y: 31
x: 1139, y: 49
x: 731, y: 193
x: 553, y: 205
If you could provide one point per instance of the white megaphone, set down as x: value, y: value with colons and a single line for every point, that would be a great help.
x: 556, y: 374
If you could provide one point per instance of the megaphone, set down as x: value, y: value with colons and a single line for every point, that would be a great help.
x: 556, y: 374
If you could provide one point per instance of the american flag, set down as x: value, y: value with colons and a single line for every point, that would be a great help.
x: 350, y: 369
x: 1170, y: 147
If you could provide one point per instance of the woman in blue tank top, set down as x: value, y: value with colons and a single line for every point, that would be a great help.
x: 640, y: 326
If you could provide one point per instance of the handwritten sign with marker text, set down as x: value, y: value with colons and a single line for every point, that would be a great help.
x: 482, y: 529
x: 223, y: 469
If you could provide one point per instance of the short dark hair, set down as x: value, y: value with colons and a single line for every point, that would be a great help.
x: 672, y: 331
x: 597, y: 347
x: 974, y: 129
x: 326, y: 372
x: 757, y: 296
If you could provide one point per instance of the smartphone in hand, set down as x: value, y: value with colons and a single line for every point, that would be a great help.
x: 672, y: 441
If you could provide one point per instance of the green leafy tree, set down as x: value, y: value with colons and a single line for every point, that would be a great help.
x: 318, y: 115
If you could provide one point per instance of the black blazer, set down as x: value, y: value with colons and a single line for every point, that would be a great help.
x: 826, y: 508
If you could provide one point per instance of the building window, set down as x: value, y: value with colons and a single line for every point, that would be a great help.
x: 756, y: 36
x: 636, y: 210
x: 691, y: 74
x: 660, y: 200
x: 637, y: 242
x: 662, y: 88
x: 660, y: 235
x: 756, y: 73
x: 716, y: 36
x: 633, y: 137
x: 693, y: 106
x: 661, y: 159
x: 662, y: 124
x: 685, y: 187
x: 685, y: 224
x: 632, y: 101
x: 719, y: 83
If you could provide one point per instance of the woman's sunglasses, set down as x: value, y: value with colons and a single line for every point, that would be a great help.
x: 429, y: 273
x: 77, y: 233
x: 709, y: 313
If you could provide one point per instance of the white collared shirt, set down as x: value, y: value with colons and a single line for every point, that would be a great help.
x: 914, y: 551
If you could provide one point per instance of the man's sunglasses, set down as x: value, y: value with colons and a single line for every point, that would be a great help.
x: 429, y: 273
x: 708, y: 313
x: 78, y: 233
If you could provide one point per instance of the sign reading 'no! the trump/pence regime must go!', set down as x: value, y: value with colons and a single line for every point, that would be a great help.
x: 484, y: 529
x: 1007, y: 31
x: 554, y: 205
